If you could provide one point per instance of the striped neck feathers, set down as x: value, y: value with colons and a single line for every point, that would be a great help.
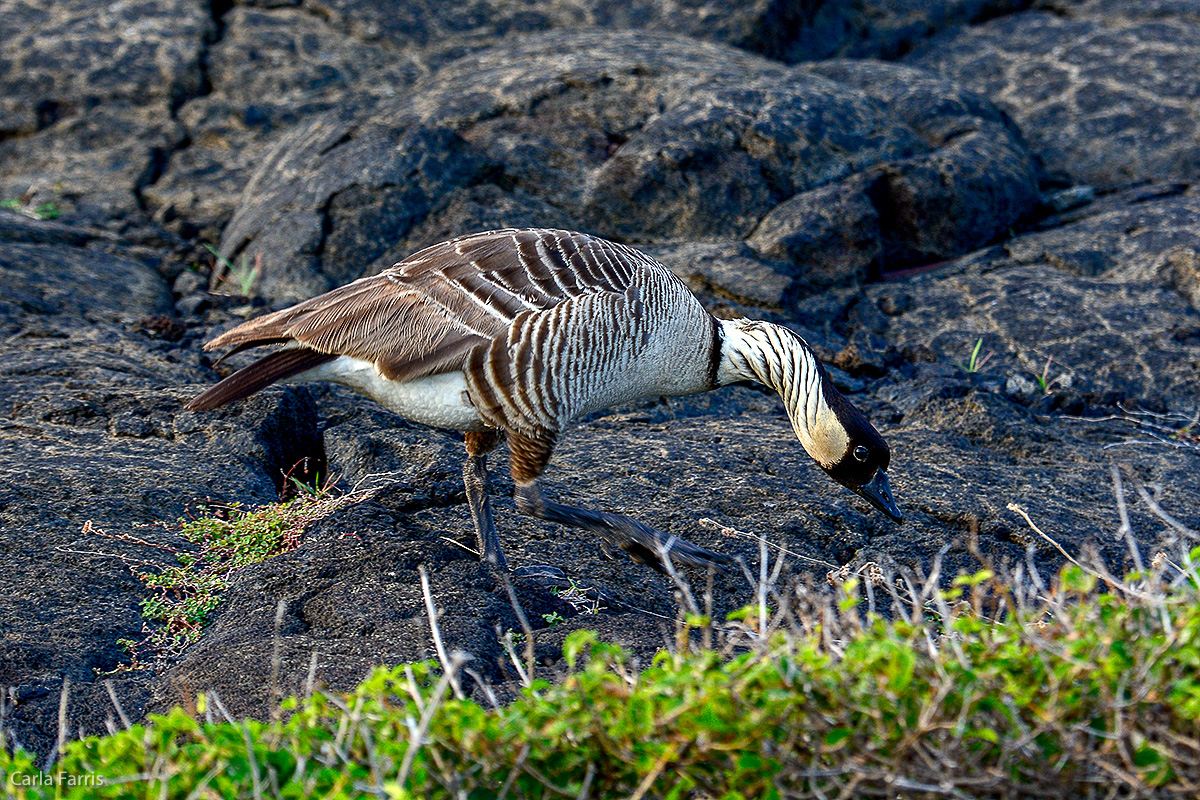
x: 772, y: 355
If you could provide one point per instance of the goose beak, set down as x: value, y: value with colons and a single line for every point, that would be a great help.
x: 879, y: 494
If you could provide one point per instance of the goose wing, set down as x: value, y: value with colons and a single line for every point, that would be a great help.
x: 426, y: 314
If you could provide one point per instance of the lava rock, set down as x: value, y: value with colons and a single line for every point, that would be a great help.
x: 1104, y: 92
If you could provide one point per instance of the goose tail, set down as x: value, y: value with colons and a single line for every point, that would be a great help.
x: 277, y: 366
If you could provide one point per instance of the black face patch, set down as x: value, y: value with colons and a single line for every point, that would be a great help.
x: 866, y: 452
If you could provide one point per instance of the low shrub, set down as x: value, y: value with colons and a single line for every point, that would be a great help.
x: 1085, y: 687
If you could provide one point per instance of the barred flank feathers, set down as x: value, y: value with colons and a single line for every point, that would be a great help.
x: 262, y: 373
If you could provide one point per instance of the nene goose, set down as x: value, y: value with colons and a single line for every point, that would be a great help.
x: 514, y: 333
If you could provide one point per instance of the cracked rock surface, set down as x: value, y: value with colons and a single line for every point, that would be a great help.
x: 1099, y: 88
x: 649, y: 139
x: 982, y: 216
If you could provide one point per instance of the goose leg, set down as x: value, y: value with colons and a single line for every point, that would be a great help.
x: 640, y: 541
x: 475, y: 480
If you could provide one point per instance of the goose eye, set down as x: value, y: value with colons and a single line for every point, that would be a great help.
x: 860, y: 453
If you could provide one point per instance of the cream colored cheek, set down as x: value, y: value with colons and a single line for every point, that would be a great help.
x: 829, y: 440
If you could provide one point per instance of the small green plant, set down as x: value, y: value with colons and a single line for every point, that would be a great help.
x: 553, y: 618
x: 1044, y: 381
x: 976, y: 361
x: 226, y: 537
x: 1188, y: 433
x: 298, y: 483
x: 241, y: 276
x: 40, y: 211
x: 579, y: 598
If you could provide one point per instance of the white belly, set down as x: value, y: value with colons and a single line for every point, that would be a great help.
x: 439, y: 401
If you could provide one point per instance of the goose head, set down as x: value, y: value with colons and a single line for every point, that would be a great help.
x: 835, y: 433
x: 853, y: 453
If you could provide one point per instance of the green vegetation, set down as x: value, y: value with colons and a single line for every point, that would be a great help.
x: 41, y: 211
x: 227, y: 538
x: 241, y: 276
x: 1045, y: 382
x: 976, y: 362
x: 1084, y: 686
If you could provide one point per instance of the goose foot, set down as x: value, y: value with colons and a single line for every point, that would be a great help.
x: 643, y: 543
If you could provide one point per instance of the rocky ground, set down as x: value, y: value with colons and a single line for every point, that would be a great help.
x: 899, y: 182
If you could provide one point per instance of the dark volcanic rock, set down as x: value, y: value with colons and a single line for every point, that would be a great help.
x: 880, y: 28
x: 432, y: 26
x: 65, y: 58
x: 377, y: 186
x: 271, y: 68
x: 86, y: 95
x: 789, y: 30
x: 1094, y: 342
x: 1105, y: 93
x: 97, y: 446
x: 969, y: 183
x: 1102, y: 310
x: 643, y: 139
x: 274, y: 64
x: 1146, y: 235
x: 40, y: 280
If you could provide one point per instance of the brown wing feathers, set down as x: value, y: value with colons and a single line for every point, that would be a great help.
x: 426, y: 315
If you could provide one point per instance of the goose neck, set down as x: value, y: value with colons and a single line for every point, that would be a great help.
x: 776, y: 357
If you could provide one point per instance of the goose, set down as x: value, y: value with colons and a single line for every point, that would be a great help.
x: 511, y: 334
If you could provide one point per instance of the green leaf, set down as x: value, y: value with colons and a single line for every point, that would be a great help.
x: 575, y: 642
x: 836, y: 735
